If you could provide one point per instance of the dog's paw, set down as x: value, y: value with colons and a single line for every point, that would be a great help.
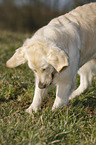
x: 32, y: 109
x: 29, y: 111
x: 73, y: 95
x: 55, y: 106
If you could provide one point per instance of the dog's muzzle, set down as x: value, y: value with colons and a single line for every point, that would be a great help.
x: 42, y: 85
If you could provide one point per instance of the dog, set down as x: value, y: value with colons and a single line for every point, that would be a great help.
x: 57, y: 51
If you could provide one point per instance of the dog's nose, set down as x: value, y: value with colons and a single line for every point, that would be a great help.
x: 42, y: 85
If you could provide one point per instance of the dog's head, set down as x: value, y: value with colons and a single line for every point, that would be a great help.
x: 44, y: 60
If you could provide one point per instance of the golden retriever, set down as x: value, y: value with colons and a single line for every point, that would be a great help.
x: 57, y: 51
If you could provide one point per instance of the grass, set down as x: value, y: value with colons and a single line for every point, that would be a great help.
x: 71, y: 125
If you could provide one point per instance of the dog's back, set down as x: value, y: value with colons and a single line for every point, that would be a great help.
x: 83, y: 19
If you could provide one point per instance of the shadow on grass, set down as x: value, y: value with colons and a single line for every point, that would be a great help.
x: 88, y: 102
x: 13, y: 96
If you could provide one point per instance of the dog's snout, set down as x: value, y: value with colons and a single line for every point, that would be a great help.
x: 42, y: 85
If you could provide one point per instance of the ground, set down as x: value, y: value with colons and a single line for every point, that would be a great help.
x: 70, y: 125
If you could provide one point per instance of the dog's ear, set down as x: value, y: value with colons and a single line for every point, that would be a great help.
x: 17, y: 59
x: 58, y: 59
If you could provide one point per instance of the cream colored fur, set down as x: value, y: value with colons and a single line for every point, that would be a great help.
x: 57, y: 51
x: 86, y: 73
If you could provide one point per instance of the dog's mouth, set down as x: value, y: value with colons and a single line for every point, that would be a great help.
x: 44, y: 85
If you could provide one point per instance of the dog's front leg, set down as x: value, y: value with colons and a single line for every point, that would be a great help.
x: 38, y: 96
x: 62, y: 95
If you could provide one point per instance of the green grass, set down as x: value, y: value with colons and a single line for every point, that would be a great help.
x: 71, y: 125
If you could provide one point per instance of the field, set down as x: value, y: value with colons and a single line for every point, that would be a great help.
x: 71, y: 125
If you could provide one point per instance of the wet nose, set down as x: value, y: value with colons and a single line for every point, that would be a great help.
x: 42, y: 85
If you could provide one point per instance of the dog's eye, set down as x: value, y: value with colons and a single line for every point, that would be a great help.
x: 43, y: 69
x: 35, y: 70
